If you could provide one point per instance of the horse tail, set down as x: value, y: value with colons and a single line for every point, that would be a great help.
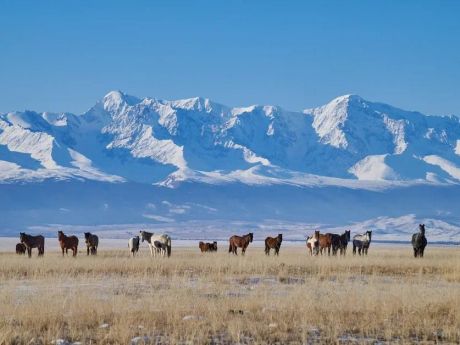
x: 168, y: 246
x: 230, y: 246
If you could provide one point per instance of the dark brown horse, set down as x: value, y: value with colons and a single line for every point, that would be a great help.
x: 325, y: 242
x: 68, y: 242
x: 92, y: 242
x: 208, y: 247
x: 340, y: 242
x: 20, y: 248
x: 239, y: 241
x: 273, y: 243
x: 33, y: 242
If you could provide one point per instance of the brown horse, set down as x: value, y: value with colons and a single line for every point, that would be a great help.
x: 20, y: 248
x: 239, y: 241
x: 68, y: 242
x: 33, y: 242
x: 325, y: 242
x: 273, y: 243
x: 208, y: 247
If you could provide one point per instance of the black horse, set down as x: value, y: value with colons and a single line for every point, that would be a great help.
x: 419, y: 241
x: 340, y: 242
x: 92, y: 242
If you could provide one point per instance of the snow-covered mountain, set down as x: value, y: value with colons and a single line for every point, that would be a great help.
x: 193, y: 165
x: 347, y: 142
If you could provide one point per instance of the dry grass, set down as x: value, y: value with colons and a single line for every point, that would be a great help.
x: 388, y: 296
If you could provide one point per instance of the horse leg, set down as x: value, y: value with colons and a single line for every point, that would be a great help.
x: 354, y: 249
x: 29, y: 252
x: 277, y: 250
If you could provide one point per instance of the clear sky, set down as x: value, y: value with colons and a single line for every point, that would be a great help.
x: 65, y: 55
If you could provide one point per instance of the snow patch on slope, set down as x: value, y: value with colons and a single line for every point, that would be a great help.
x: 444, y: 164
x: 373, y: 168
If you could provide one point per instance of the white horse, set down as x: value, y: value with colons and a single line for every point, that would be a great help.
x: 362, y: 242
x: 158, y: 243
x: 133, y: 245
x: 312, y: 245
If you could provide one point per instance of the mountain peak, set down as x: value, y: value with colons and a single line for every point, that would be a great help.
x: 198, y: 104
x: 114, y: 99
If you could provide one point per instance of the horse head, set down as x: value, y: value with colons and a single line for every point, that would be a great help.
x: 60, y: 235
x: 22, y: 236
x: 369, y: 234
x: 348, y: 234
x: 87, y: 235
x: 251, y: 236
x: 142, y: 235
x: 316, y: 234
x: 422, y: 229
x: 280, y: 237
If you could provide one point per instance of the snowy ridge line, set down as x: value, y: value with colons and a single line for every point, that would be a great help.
x: 349, y: 142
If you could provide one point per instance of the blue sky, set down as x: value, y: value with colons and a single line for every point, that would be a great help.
x: 64, y: 55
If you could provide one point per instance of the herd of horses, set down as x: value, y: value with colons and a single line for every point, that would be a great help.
x: 160, y: 244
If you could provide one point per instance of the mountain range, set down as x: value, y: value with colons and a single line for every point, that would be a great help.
x: 350, y: 150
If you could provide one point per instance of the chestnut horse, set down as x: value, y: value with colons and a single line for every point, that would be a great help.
x: 208, y: 247
x: 33, y: 242
x: 68, y: 242
x: 239, y: 241
x: 325, y: 242
x: 273, y: 243
x: 20, y: 248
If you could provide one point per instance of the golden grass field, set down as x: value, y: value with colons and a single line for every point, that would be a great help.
x: 195, y: 298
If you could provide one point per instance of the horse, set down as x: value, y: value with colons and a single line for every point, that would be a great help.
x: 158, y: 243
x: 208, y: 247
x: 33, y: 242
x: 68, y: 242
x: 313, y: 243
x: 92, y: 242
x: 273, y: 243
x: 239, y: 241
x: 325, y: 242
x: 362, y: 242
x: 20, y: 249
x: 340, y: 242
x: 419, y: 241
x: 133, y: 245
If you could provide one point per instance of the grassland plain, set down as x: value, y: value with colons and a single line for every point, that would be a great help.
x: 194, y: 298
